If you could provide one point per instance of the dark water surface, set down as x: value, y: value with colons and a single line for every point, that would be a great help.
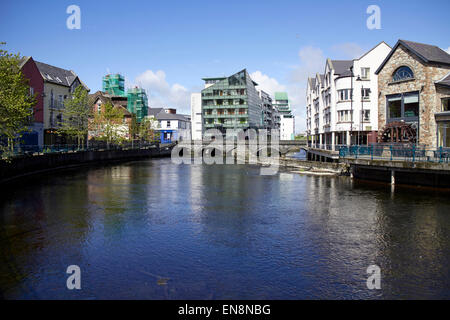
x: 155, y: 230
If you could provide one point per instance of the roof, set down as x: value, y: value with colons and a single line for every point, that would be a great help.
x: 106, y: 98
x: 342, y: 67
x: 57, y: 75
x: 445, y: 81
x: 161, y: 114
x: 425, y: 52
x: 281, y: 96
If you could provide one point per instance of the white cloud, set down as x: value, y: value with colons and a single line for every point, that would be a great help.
x: 348, y: 50
x: 161, y: 93
x: 312, y: 61
x: 448, y: 50
x: 271, y: 85
x: 267, y: 84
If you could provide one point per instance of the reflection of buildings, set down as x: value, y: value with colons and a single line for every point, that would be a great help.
x: 414, y: 87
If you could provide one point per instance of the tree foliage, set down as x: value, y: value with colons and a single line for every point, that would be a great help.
x: 109, y: 123
x: 76, y: 114
x: 16, y: 103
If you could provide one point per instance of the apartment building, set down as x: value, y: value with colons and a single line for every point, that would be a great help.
x: 342, y: 103
x: 59, y: 84
x: 231, y: 104
x: 286, y: 118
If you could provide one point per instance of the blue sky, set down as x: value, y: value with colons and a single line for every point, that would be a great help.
x: 168, y: 46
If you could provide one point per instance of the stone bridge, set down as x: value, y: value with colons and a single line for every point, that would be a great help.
x: 283, y: 147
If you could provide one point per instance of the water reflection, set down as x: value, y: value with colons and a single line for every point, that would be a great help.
x: 218, y: 232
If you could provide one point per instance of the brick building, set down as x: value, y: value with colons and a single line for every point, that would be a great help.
x: 414, y: 87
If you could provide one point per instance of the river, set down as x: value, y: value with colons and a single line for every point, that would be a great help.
x: 156, y: 230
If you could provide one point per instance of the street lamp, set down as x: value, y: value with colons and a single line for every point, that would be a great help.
x: 351, y: 104
x: 362, y: 108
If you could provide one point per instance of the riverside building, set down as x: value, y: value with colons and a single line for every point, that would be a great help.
x: 342, y: 103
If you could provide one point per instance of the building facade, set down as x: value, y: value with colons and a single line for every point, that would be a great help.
x: 196, y: 116
x: 98, y: 101
x: 59, y: 84
x: 35, y: 81
x: 342, y: 104
x: 171, y: 126
x: 414, y: 88
x: 287, y: 119
x: 231, y: 104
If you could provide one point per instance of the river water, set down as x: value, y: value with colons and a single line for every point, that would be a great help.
x: 155, y: 230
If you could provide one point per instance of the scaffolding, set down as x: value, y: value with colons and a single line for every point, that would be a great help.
x: 137, y: 103
x: 114, y: 84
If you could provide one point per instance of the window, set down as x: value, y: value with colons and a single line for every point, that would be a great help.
x: 395, y: 106
x: 411, y: 105
x: 344, y: 95
x: 365, y: 73
x: 168, y: 124
x: 446, y: 104
x: 365, y: 93
x: 403, y: 73
x: 365, y: 115
x: 444, y: 135
x: 404, y: 105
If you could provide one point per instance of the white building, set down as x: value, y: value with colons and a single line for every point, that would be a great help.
x: 171, y: 126
x: 342, y: 103
x: 287, y: 119
x: 196, y: 116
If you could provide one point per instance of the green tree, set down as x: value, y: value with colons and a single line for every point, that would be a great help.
x: 16, y: 103
x: 76, y: 114
x: 109, y: 123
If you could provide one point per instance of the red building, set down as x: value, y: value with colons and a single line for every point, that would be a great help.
x: 36, y: 83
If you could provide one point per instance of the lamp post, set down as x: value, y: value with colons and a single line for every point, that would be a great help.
x: 351, y: 104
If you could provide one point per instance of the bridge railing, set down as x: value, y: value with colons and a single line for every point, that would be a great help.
x: 407, y: 153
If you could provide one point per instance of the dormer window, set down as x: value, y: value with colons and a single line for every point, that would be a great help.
x: 403, y: 73
x: 58, y: 79
x: 48, y: 77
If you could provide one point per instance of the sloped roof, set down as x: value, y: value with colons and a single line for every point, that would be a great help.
x: 445, y: 81
x: 342, y: 67
x: 425, y: 52
x: 161, y: 114
x: 57, y: 75
x: 106, y: 98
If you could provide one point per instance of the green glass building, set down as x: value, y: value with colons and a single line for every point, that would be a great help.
x: 231, y: 104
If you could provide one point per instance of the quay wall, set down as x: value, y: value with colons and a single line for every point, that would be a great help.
x: 27, y: 165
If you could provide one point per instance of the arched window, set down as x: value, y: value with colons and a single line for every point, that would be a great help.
x: 403, y: 73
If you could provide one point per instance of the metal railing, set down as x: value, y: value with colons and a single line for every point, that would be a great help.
x: 21, y: 150
x: 393, y: 152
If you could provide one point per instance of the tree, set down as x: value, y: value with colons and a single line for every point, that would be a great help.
x: 76, y: 114
x: 109, y: 123
x: 16, y: 103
